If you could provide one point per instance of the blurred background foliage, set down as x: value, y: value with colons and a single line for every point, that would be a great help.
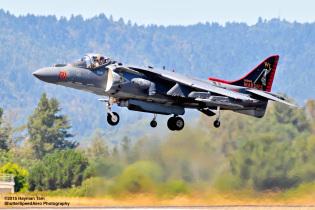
x: 275, y: 153
x: 78, y: 155
x: 202, y: 50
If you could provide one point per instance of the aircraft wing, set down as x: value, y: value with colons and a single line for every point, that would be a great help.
x: 194, y: 83
x: 270, y: 96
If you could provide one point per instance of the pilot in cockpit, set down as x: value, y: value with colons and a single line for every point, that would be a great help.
x: 99, y: 60
x: 95, y: 61
x: 92, y: 61
x: 102, y: 60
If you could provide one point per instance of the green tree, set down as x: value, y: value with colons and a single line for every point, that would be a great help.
x: 102, y: 164
x: 61, y: 169
x: 95, y: 186
x: 126, y: 144
x: 115, y: 153
x: 139, y: 177
x: 20, y: 176
x: 266, y: 162
x: 4, y: 134
x: 304, y: 149
x: 103, y: 167
x: 174, y: 188
x: 126, y: 149
x: 98, y: 147
x: 288, y: 115
x: 310, y: 113
x: 48, y: 130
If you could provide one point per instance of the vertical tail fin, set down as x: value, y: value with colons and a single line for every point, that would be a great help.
x: 260, y: 77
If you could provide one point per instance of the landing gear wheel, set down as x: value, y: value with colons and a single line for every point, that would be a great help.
x: 113, y: 120
x: 170, y: 123
x: 179, y: 123
x: 216, y: 123
x: 153, y: 123
x: 175, y: 123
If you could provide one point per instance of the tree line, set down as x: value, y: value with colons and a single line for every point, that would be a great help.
x: 272, y: 153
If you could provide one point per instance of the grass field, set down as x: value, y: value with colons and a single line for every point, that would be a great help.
x: 212, y: 199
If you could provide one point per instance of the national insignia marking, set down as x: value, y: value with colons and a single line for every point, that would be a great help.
x: 62, y: 75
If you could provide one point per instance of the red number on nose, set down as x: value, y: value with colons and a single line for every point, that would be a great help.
x: 62, y: 75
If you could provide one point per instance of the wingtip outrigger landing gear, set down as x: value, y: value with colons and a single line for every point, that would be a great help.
x: 175, y: 123
x: 217, y: 122
x: 153, y: 123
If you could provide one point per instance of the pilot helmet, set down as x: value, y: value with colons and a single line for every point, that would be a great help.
x: 106, y: 59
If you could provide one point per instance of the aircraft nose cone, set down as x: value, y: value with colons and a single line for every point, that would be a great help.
x: 37, y: 74
x: 46, y: 75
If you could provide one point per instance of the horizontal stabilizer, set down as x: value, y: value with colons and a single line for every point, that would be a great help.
x: 270, y: 97
x: 220, y: 101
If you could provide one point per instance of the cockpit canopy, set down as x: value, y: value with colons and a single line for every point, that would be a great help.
x: 92, y: 61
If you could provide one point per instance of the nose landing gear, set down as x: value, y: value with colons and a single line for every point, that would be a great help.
x: 112, y: 118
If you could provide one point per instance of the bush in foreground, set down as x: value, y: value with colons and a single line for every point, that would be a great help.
x: 140, y: 177
x: 20, y: 176
x: 61, y: 169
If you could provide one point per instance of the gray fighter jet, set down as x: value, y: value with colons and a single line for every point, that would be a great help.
x: 159, y: 91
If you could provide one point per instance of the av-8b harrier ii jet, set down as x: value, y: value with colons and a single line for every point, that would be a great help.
x: 159, y: 91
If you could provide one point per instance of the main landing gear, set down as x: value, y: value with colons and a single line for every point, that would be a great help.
x: 175, y: 123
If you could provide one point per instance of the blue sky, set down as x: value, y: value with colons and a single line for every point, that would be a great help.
x: 170, y: 12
